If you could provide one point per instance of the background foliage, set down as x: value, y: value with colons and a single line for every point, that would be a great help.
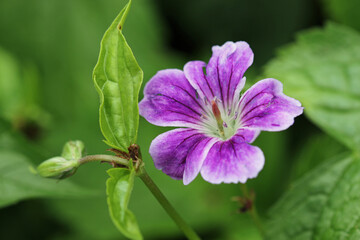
x: 48, y: 50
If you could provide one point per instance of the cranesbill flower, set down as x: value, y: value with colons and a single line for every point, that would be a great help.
x: 218, y: 122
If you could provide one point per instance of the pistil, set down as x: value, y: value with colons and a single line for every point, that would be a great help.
x: 219, y: 121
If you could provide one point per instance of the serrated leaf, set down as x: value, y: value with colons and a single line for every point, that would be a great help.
x: 18, y: 183
x: 322, y: 70
x: 322, y: 205
x: 118, y: 188
x: 312, y: 154
x: 118, y: 78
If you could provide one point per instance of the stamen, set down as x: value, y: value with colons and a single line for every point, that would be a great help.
x: 203, y: 116
x: 217, y: 100
x: 236, y: 115
x: 205, y: 100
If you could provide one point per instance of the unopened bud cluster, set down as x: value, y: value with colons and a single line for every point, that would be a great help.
x: 65, y: 165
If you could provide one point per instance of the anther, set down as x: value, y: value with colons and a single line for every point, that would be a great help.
x: 236, y: 115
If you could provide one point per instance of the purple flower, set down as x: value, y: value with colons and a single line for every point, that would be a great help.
x: 219, y: 123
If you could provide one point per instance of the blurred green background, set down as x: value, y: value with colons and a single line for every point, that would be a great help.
x: 48, y: 49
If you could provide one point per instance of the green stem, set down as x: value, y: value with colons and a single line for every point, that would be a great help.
x: 252, y: 211
x: 104, y: 158
x: 185, y: 228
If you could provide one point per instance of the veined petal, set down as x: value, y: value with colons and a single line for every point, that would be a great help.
x: 232, y: 161
x: 224, y: 72
x: 266, y: 107
x: 247, y: 135
x: 180, y: 153
x: 196, y: 157
x: 226, y: 69
x: 170, y: 100
x: 195, y: 74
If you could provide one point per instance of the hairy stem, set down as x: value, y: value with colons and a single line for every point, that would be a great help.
x: 185, y: 228
x: 252, y: 211
x: 104, y: 158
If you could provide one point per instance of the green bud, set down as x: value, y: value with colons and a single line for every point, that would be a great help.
x: 64, y: 166
x: 73, y: 150
x: 58, y: 167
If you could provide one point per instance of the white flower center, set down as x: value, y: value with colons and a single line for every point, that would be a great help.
x: 220, y: 121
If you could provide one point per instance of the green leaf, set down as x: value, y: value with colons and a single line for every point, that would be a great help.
x: 322, y: 70
x: 345, y: 12
x: 314, y: 151
x: 118, y: 188
x: 322, y: 205
x: 18, y: 183
x: 118, y: 78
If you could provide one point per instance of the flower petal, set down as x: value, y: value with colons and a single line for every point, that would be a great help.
x: 247, y: 135
x: 180, y: 153
x: 170, y: 100
x: 196, y: 157
x: 227, y: 67
x: 232, y: 161
x: 266, y: 107
x: 224, y: 72
x: 195, y: 74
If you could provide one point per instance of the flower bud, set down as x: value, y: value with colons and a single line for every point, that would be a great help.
x: 73, y: 150
x: 57, y: 167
